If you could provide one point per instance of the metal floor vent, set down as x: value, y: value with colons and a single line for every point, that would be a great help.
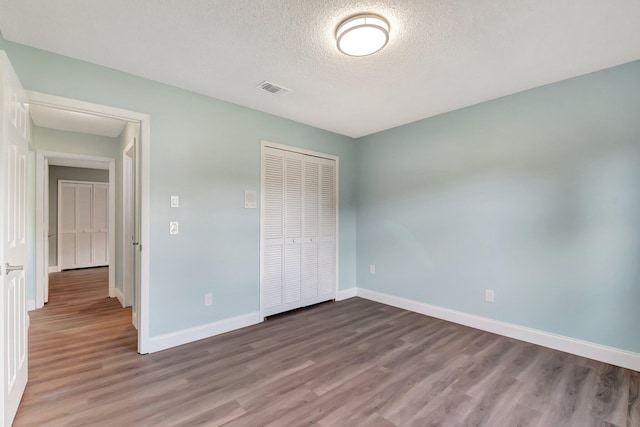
x: 274, y: 88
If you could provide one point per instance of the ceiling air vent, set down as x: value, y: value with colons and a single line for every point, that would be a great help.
x: 274, y: 88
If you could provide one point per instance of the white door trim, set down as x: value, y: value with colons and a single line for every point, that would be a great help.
x: 127, y: 222
x: 263, y: 145
x: 74, y: 160
x: 145, y: 196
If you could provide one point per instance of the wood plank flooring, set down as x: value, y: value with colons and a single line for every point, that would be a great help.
x: 349, y: 363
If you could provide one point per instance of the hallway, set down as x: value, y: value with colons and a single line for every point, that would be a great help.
x: 78, y: 323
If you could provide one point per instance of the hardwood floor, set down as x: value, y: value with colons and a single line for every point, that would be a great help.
x: 350, y: 363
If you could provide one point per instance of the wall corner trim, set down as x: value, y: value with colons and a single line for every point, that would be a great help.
x: 346, y: 293
x: 602, y: 353
x: 185, y: 336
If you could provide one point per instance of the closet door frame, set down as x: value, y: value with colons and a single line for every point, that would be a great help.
x: 59, y: 221
x: 267, y: 144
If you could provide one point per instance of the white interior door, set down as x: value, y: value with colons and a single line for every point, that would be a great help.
x: 128, y: 204
x: 13, y: 248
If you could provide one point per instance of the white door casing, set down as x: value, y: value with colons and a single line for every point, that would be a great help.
x: 298, y: 262
x: 143, y: 201
x: 13, y: 245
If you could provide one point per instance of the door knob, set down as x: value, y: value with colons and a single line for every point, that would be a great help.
x: 10, y: 268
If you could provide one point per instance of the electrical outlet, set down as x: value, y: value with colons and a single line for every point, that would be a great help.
x: 208, y: 298
x: 175, y: 202
x: 488, y: 295
x: 173, y: 227
x: 372, y: 269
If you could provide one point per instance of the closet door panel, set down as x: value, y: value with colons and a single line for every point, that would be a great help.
x: 272, y: 281
x: 310, y: 270
x: 292, y: 273
x: 67, y: 230
x: 84, y: 205
x: 273, y: 217
x: 326, y: 268
x: 311, y: 205
x: 100, y: 224
x: 293, y: 227
x: 293, y: 195
x: 83, y: 252
x: 327, y: 250
x: 68, y: 250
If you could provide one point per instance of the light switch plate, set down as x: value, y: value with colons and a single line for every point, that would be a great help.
x: 175, y: 201
x: 173, y: 227
x: 250, y: 199
x: 489, y: 296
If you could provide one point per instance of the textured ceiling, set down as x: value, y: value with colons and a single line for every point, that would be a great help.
x: 442, y: 55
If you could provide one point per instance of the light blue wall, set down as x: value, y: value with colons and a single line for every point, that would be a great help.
x: 208, y: 152
x: 535, y: 195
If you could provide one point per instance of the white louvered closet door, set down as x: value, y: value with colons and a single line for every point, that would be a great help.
x: 298, y: 211
x: 327, y: 243
x: 311, y: 228
x: 273, y: 230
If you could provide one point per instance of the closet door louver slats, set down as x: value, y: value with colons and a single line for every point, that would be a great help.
x: 273, y: 252
x: 298, y: 237
x: 272, y: 292
x: 311, y: 225
x: 327, y: 248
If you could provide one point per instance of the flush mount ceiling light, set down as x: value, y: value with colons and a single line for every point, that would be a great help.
x: 362, y: 35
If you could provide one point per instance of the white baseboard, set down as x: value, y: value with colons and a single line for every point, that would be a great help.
x: 185, y: 336
x: 346, y: 294
x: 118, y: 294
x: 31, y: 305
x: 602, y: 353
x: 53, y: 269
x: 134, y: 320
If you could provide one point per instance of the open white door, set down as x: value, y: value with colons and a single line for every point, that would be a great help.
x: 128, y: 235
x: 13, y: 246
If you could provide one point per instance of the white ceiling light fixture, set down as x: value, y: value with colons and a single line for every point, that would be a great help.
x: 362, y: 35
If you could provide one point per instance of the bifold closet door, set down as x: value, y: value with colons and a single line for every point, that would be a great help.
x: 327, y: 229
x: 298, y: 264
x: 83, y: 225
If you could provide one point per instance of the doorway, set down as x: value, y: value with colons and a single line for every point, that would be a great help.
x: 139, y: 175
